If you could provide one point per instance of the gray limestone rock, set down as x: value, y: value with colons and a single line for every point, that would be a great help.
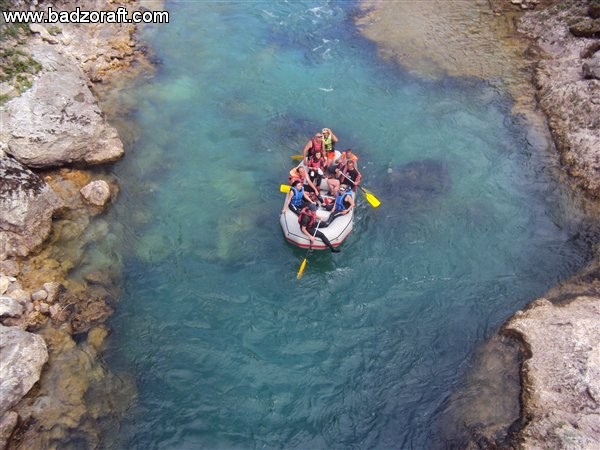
x: 591, y: 69
x: 44, y: 34
x: 9, y: 307
x: 568, y: 93
x: 22, y: 356
x: 8, y: 423
x: 561, y: 378
x: 39, y: 295
x: 58, y: 121
x: 27, y: 204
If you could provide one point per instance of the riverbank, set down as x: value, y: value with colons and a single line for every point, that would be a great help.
x: 553, y: 345
x: 57, y: 285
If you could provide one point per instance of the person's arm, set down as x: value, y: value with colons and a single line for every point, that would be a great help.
x: 311, y: 184
x: 334, y: 138
x: 307, y: 197
x: 351, y: 201
x: 358, y: 178
x: 306, y: 149
x: 305, y: 231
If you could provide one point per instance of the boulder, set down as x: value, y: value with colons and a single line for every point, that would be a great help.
x: 4, y: 283
x: 9, y: 267
x: 22, y: 356
x: 586, y: 28
x: 39, y: 295
x: 27, y: 204
x: 9, y: 307
x: 54, y: 289
x: 594, y: 9
x: 591, y: 69
x: 44, y: 34
x: 97, y: 192
x: 8, y: 423
x: 561, y: 377
x: 58, y: 121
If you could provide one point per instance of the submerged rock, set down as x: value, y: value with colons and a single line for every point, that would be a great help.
x: 22, y: 356
x: 486, y: 407
x: 27, y: 204
x: 97, y: 192
x: 76, y: 392
x: 9, y: 307
x: 419, y: 181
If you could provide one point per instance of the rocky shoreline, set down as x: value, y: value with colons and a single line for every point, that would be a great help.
x: 56, y: 289
x: 53, y: 387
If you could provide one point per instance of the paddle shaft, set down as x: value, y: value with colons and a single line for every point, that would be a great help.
x: 373, y: 201
x: 303, y: 265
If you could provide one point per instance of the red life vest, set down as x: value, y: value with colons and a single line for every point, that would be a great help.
x: 317, y: 145
x: 316, y: 163
x: 305, y: 212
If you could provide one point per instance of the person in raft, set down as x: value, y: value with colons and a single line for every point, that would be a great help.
x: 329, y: 141
x: 349, y: 174
x: 309, y: 226
x: 314, y: 144
x: 297, y: 198
x: 346, y: 156
x: 299, y: 173
x: 344, y: 202
x: 316, y: 167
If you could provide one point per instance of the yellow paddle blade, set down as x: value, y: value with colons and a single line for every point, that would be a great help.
x: 297, y: 157
x: 301, y: 270
x: 373, y: 201
x: 284, y: 188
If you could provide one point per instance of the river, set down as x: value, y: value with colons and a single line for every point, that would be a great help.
x: 227, y: 348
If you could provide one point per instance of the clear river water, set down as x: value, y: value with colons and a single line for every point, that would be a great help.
x: 227, y: 348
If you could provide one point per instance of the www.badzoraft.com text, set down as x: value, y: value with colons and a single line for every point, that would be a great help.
x: 121, y: 15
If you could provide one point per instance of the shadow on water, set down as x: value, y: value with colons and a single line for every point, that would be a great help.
x: 415, y: 184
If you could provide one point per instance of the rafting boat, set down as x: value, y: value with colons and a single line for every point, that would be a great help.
x: 337, y: 231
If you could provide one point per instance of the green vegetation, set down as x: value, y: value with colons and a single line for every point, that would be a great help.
x: 16, y: 62
x: 10, y: 31
x: 53, y: 30
x: 17, y: 68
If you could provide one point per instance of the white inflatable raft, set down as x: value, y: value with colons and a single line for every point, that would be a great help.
x: 336, y: 232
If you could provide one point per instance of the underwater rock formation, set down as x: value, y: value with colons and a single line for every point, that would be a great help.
x: 418, y: 181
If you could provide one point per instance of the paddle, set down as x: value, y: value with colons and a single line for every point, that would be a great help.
x: 284, y: 188
x: 303, y: 265
x: 297, y: 157
x: 373, y: 201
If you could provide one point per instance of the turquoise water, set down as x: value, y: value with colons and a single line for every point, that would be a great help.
x: 227, y: 348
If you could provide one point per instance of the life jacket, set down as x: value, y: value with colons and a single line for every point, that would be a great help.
x: 297, y: 196
x: 317, y: 163
x: 328, y: 143
x: 339, y: 201
x: 305, y: 212
x: 317, y: 146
